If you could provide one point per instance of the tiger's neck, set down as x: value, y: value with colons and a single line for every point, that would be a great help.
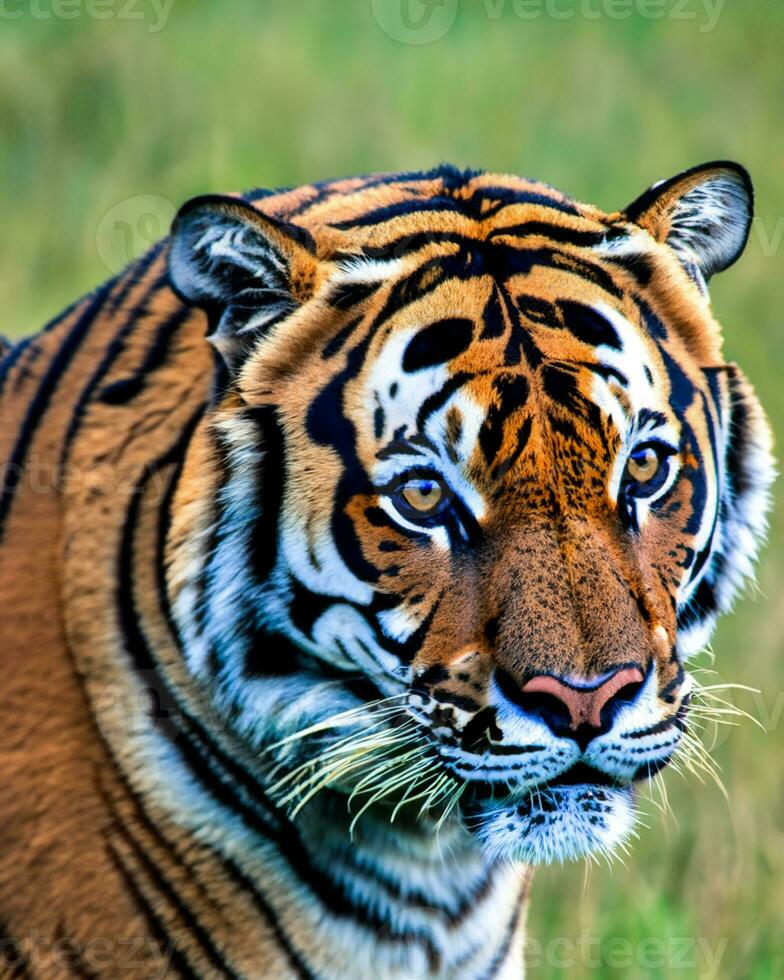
x: 303, y: 898
x: 421, y: 902
x: 228, y: 880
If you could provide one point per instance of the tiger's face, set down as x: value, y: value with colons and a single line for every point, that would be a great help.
x: 479, y: 475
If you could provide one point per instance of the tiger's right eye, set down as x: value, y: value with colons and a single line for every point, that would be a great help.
x: 421, y: 498
x: 643, y: 464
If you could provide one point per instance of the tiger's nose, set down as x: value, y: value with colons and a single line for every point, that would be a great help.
x: 580, y: 707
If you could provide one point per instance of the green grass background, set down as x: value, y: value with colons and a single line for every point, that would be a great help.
x: 106, y: 125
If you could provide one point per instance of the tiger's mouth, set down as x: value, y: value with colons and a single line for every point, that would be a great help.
x: 580, y: 774
x: 534, y: 804
x: 563, y: 823
x: 577, y: 813
x: 581, y: 811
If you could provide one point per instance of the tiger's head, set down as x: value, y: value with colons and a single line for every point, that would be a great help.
x: 475, y: 485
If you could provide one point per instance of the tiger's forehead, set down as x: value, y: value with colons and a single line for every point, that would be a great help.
x: 374, y: 210
x: 484, y: 370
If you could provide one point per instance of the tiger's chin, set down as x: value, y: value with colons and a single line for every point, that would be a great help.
x: 556, y: 823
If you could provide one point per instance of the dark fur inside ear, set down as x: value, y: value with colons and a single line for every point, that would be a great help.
x: 703, y: 214
x: 235, y: 263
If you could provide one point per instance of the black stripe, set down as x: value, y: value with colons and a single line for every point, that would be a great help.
x: 124, y: 389
x: 638, y: 266
x: 588, y: 325
x: 234, y: 872
x: 323, y: 191
x: 200, y: 757
x: 40, y: 401
x: 556, y: 233
x: 437, y: 343
x: 264, y: 539
x: 493, y: 323
x: 668, y: 693
x: 437, y: 400
x: 740, y: 476
x: 134, y: 275
x: 335, y: 344
x: 163, y: 886
x: 221, y: 464
x: 451, y: 177
x: 587, y: 270
x: 506, y: 196
x: 165, y: 942
x: 328, y: 424
x: 10, y: 358
x: 406, y: 244
x: 113, y: 351
x: 523, y: 436
x: 510, y: 393
x: 605, y: 371
x: 439, y: 205
x: 262, y: 193
x: 656, y: 329
x: 394, y: 891
x: 498, y: 960
x: 347, y: 294
x: 657, y: 729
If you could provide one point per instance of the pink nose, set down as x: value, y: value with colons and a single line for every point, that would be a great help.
x: 584, y: 700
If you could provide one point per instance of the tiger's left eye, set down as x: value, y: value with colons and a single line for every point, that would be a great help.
x: 647, y: 469
x: 423, y: 496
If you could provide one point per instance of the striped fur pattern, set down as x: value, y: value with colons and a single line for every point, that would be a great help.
x: 260, y: 717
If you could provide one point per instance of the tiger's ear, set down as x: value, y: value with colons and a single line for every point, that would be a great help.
x: 246, y: 270
x: 703, y: 214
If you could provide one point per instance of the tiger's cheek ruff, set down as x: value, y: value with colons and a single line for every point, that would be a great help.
x: 238, y: 616
x: 740, y: 482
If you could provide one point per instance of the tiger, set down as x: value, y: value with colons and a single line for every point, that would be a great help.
x: 354, y: 543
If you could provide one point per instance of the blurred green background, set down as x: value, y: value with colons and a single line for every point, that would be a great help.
x: 112, y: 112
